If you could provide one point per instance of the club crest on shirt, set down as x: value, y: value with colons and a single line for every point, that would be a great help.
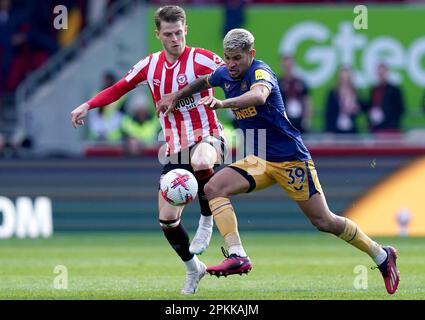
x: 217, y: 59
x: 181, y: 79
x: 243, y: 86
x: 157, y: 82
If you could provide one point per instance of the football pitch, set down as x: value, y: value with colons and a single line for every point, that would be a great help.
x: 143, y: 266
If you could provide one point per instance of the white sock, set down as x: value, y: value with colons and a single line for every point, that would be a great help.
x: 380, y: 257
x: 238, y: 250
x: 192, y: 264
x: 206, y: 221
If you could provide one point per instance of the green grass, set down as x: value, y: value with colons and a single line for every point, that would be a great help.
x: 143, y: 266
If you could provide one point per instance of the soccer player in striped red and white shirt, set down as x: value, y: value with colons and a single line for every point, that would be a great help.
x: 191, y: 131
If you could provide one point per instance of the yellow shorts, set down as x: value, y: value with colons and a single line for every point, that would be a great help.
x: 298, y: 178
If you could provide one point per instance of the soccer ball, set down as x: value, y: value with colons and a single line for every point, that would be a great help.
x: 179, y: 187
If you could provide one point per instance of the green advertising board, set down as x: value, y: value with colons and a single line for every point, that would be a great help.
x: 321, y: 38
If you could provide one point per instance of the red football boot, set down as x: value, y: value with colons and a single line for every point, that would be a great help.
x: 233, y: 264
x: 389, y: 270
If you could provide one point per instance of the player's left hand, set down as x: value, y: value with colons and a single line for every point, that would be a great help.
x: 211, y: 102
x: 167, y: 104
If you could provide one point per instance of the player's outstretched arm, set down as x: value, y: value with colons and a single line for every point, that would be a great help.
x: 101, y: 100
x: 257, y: 96
x: 168, y: 102
x: 78, y: 115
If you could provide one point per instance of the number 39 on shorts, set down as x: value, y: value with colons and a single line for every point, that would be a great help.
x: 296, y: 177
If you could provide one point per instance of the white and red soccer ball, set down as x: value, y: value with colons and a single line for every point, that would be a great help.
x: 179, y: 187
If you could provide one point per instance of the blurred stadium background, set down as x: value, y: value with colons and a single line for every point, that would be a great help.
x: 55, y: 180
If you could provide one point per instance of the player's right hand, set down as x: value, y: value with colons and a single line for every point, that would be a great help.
x: 211, y: 102
x: 78, y: 114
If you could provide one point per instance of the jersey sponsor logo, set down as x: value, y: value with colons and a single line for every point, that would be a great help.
x: 181, y: 79
x: 186, y: 103
x: 244, y: 113
x: 262, y: 75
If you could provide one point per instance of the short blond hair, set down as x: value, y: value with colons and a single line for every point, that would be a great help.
x: 238, y: 39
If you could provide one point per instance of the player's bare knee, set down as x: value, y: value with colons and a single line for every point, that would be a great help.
x: 329, y: 222
x: 202, y: 163
x: 169, y: 224
x: 204, y: 157
x: 323, y: 224
x: 213, y: 190
x: 168, y: 215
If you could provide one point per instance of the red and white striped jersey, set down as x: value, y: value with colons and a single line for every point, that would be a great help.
x: 189, y: 123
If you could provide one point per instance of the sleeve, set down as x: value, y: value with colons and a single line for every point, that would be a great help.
x: 110, y: 94
x: 215, y: 78
x: 135, y: 77
x: 206, y: 62
x: 261, y: 76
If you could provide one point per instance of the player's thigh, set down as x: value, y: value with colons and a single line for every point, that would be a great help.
x: 203, y: 156
x: 298, y: 178
x: 255, y: 171
x: 166, y: 210
x: 226, y: 182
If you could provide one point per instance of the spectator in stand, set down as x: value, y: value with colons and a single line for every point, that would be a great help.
x: 105, y: 123
x: 234, y: 14
x: 27, y: 37
x: 76, y: 21
x: 43, y: 34
x: 343, y: 105
x: 12, y: 37
x: 295, y: 96
x: 96, y: 11
x: 386, y: 105
x: 139, y: 126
